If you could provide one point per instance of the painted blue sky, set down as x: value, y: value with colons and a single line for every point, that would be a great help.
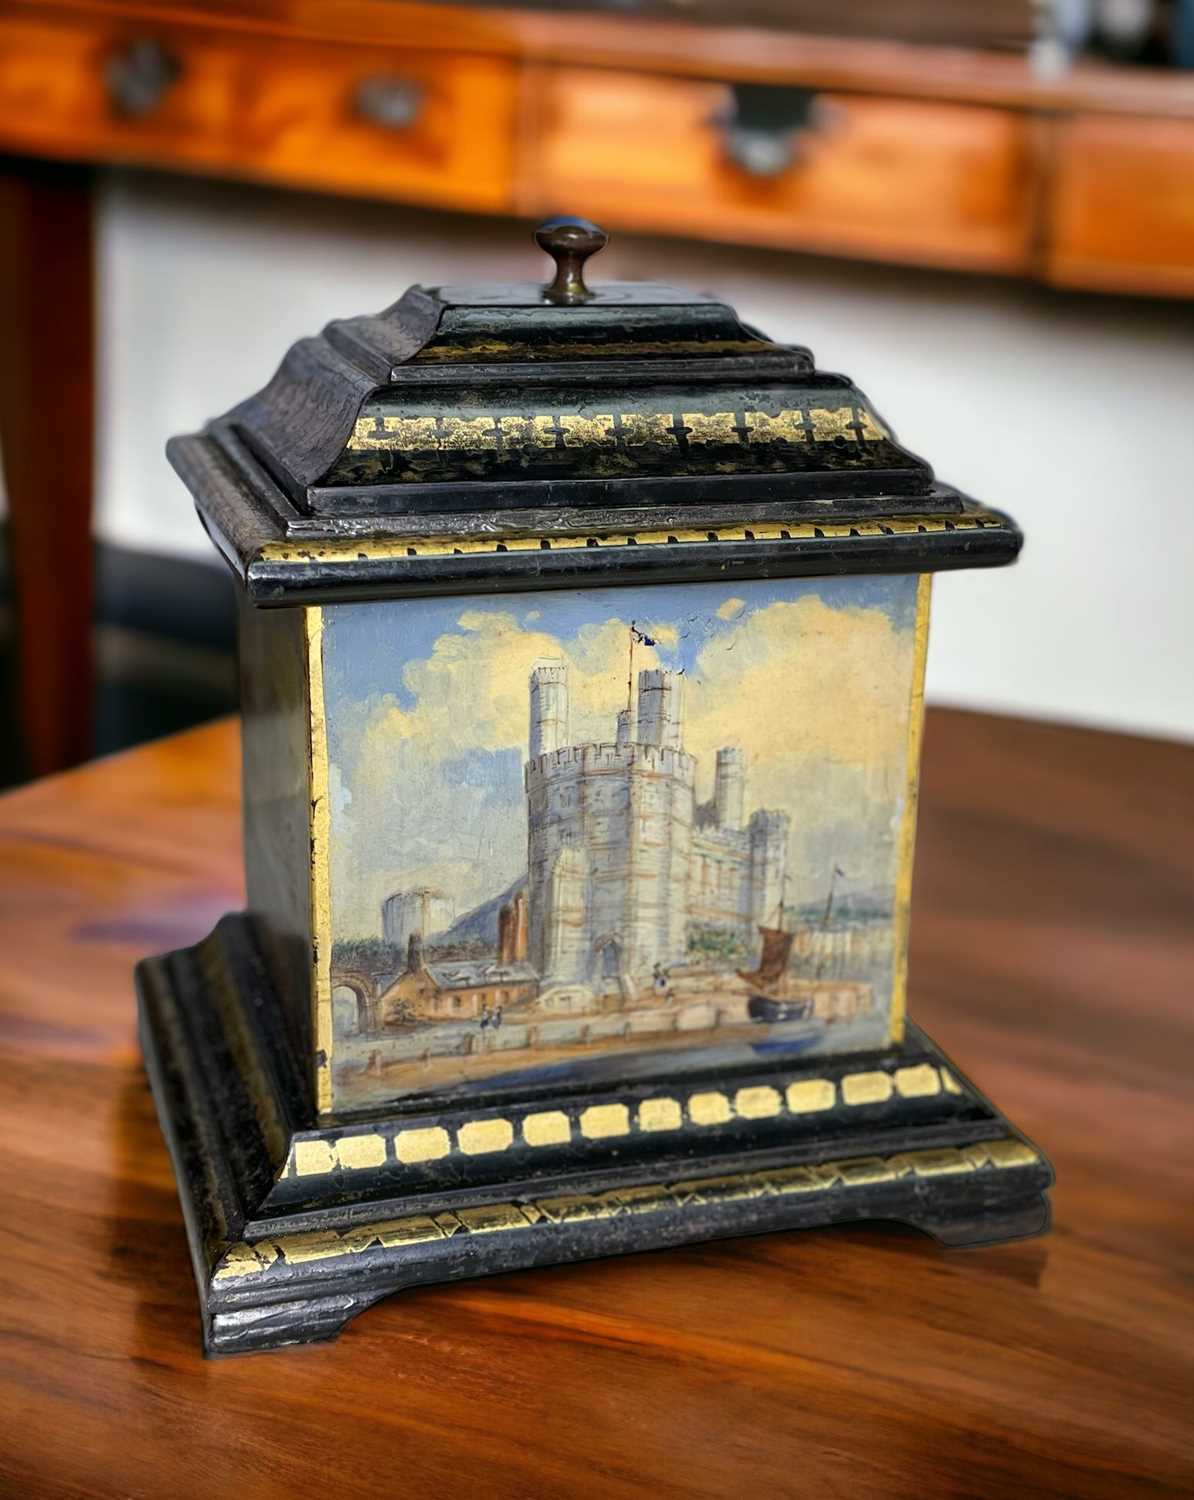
x: 360, y: 660
x: 427, y: 708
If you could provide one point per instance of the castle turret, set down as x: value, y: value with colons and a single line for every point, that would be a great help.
x: 729, y: 787
x: 520, y: 926
x: 768, y: 863
x: 423, y: 910
x: 660, y: 709
x: 512, y: 930
x: 549, y: 710
x: 505, y: 934
x: 609, y: 836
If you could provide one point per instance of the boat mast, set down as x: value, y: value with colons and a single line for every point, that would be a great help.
x: 781, y: 907
x: 829, y: 899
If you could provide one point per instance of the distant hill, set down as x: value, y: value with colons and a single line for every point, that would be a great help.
x: 479, y: 926
x: 850, y: 906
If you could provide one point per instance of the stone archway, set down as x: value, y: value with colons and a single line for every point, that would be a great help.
x: 607, y: 968
x: 607, y: 957
x: 364, y: 992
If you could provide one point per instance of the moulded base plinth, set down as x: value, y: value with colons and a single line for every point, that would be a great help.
x: 296, y: 1225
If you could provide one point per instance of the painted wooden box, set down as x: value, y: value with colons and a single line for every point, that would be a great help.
x: 583, y: 639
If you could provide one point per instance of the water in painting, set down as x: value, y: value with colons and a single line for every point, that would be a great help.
x: 614, y: 833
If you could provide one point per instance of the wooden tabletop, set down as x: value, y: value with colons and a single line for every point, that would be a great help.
x: 1052, y: 954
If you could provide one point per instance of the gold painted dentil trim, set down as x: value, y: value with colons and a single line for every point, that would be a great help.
x: 375, y: 549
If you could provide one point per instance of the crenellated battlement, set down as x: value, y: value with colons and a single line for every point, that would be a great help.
x: 733, y: 840
x: 766, y: 823
x: 659, y: 760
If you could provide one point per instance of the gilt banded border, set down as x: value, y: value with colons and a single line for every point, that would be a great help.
x: 554, y: 430
x: 370, y: 549
x: 243, y: 1261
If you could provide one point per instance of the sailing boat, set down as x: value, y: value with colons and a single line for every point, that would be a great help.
x: 776, y: 994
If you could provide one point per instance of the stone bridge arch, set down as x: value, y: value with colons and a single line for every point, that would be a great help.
x: 364, y: 989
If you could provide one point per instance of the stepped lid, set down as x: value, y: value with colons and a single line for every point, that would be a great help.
x: 558, y: 408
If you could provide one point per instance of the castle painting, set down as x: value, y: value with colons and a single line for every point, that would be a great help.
x: 593, y: 835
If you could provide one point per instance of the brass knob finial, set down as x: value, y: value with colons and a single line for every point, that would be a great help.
x: 569, y: 242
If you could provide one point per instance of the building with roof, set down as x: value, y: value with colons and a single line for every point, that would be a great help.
x: 457, y: 990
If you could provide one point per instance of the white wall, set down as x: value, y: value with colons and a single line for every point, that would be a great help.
x: 1075, y: 413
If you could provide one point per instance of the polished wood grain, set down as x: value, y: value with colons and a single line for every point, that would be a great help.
x: 880, y: 178
x: 1122, y: 205
x: 1053, y: 945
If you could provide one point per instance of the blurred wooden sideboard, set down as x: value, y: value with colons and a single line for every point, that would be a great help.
x: 924, y: 155
x: 912, y: 154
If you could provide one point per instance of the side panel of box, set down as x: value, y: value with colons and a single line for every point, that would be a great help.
x: 584, y: 850
x: 277, y: 803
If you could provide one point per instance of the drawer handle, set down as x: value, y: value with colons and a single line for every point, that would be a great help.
x: 392, y: 103
x: 761, y: 131
x: 138, y: 78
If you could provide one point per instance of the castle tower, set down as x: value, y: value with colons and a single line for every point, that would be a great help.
x: 519, y: 925
x: 424, y: 911
x: 609, y: 836
x: 549, y: 709
x: 506, y: 934
x: 512, y: 930
x: 660, y: 709
x: 768, y: 833
x: 729, y: 787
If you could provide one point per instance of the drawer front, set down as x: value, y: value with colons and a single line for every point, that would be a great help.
x: 891, y: 179
x: 1122, y: 210
x: 421, y: 126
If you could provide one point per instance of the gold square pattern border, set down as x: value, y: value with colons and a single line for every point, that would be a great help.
x: 492, y: 1134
